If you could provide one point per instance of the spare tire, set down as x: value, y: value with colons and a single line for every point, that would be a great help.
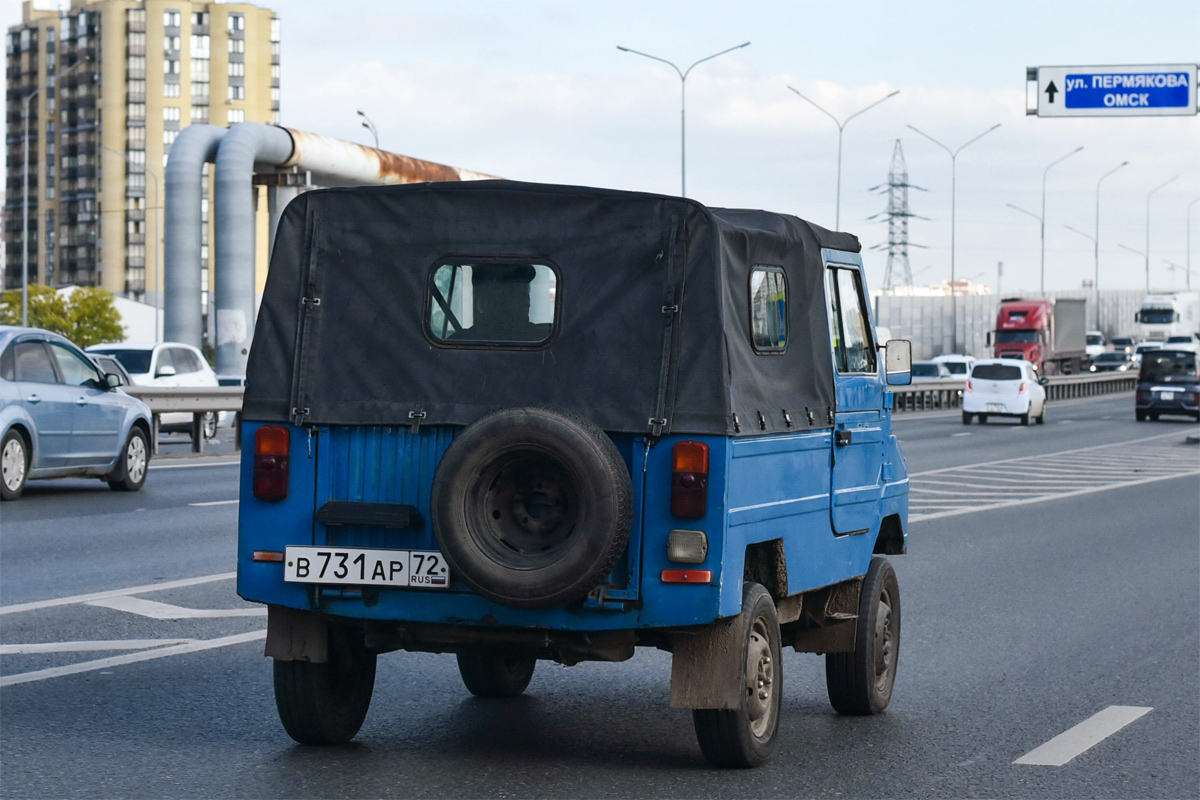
x: 532, y: 506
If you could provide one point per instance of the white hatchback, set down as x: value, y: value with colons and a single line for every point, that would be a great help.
x: 1004, y: 387
x: 166, y: 364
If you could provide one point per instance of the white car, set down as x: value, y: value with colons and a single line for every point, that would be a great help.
x: 1183, y: 342
x: 958, y: 363
x: 1095, y: 344
x: 1004, y: 388
x: 166, y: 364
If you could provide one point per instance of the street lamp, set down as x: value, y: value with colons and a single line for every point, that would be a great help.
x: 1096, y: 244
x: 1096, y: 239
x: 1172, y: 268
x: 1147, y: 253
x: 1187, y: 221
x: 1044, y: 174
x: 841, y: 126
x: 25, y: 191
x: 366, y: 123
x: 158, y: 302
x: 953, y: 203
x: 682, y: 100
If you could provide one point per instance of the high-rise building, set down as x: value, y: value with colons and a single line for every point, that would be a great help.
x: 105, y: 87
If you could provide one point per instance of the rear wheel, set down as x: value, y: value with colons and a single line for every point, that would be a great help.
x: 1041, y: 418
x: 860, y: 682
x: 967, y: 418
x: 982, y: 419
x: 327, y: 703
x: 130, y: 474
x: 1153, y: 417
x: 1140, y: 415
x: 745, y: 736
x: 1025, y: 418
x: 495, y: 673
x: 14, y: 465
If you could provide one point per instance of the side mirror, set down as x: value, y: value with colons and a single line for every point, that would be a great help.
x: 897, y: 362
x: 112, y: 380
x: 989, y: 338
x: 1137, y: 316
x: 165, y: 372
x: 1043, y: 381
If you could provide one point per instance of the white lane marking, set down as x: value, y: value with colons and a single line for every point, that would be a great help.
x: 955, y: 435
x: 1047, y: 455
x: 215, y: 503
x: 191, y: 464
x: 1084, y: 736
x: 87, y: 647
x: 131, y: 658
x: 1046, y: 497
x: 1065, y: 421
x: 85, y: 598
x: 156, y: 610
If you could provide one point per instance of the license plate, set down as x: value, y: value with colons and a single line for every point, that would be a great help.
x: 996, y: 408
x: 423, y: 569
x: 1167, y: 395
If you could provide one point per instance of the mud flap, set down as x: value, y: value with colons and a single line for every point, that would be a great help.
x: 294, y: 635
x: 707, y: 666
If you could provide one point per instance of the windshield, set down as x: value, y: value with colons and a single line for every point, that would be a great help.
x: 1009, y: 337
x: 1094, y: 339
x: 996, y: 372
x: 926, y: 370
x: 1167, y: 365
x: 1146, y: 348
x: 1109, y: 357
x: 134, y: 361
x: 1122, y: 341
x: 956, y: 367
x: 1158, y: 316
x: 1179, y: 340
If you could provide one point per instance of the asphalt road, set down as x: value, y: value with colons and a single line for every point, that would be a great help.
x: 1021, y: 621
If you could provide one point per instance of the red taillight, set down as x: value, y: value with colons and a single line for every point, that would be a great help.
x: 689, y: 480
x: 271, y: 444
x: 969, y: 389
x: 1022, y: 389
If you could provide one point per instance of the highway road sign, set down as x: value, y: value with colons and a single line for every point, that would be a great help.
x: 1156, y: 90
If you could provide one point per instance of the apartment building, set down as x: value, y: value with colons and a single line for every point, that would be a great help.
x: 105, y: 88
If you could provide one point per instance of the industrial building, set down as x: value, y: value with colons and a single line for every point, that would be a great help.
x: 105, y: 87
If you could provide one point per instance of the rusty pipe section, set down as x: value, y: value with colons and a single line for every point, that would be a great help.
x: 337, y: 162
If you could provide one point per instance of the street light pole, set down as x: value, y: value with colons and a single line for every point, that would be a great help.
x: 25, y: 191
x: 837, y: 224
x: 953, y: 204
x: 1044, y: 174
x: 1096, y: 278
x: 1151, y: 194
x: 1187, y: 221
x: 1096, y: 244
x: 682, y: 102
x: 366, y: 123
x: 158, y: 303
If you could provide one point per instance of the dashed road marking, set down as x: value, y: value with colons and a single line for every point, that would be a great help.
x: 85, y: 598
x: 156, y: 610
x: 215, y: 503
x: 1084, y: 736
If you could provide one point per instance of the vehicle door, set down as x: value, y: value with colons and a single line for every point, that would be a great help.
x: 857, y: 459
x: 98, y: 412
x: 49, y: 404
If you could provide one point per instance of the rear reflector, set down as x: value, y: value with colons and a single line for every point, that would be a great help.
x: 687, y: 576
x: 267, y: 555
x: 271, y: 445
x: 689, y: 480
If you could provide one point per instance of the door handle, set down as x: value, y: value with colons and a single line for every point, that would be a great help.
x: 33, y: 398
x: 81, y: 401
x: 842, y: 438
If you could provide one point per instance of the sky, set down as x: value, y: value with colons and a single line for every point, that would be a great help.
x: 537, y: 90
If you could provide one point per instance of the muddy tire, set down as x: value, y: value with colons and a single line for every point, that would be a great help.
x: 860, y: 682
x: 327, y: 703
x: 745, y: 736
x: 495, y: 673
x: 532, y: 507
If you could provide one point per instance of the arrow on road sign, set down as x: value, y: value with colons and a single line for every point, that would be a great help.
x: 1050, y: 90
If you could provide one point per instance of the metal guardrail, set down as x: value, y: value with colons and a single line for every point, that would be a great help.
x: 199, y: 400
x: 940, y: 394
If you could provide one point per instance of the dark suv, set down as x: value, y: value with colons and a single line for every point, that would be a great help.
x: 1168, y: 384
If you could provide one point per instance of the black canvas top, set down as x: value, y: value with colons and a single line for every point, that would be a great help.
x: 653, y: 298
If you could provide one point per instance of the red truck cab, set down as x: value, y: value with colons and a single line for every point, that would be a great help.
x: 1021, y: 330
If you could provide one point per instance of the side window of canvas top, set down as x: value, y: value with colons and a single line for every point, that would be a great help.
x: 768, y: 310
x: 492, y: 303
x: 849, y: 333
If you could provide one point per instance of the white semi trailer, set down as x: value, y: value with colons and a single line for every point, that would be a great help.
x: 1173, y: 314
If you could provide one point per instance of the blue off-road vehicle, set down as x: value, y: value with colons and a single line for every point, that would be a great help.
x: 519, y: 422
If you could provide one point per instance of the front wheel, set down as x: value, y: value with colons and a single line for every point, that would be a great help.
x: 860, y: 682
x: 130, y: 474
x: 14, y: 465
x: 744, y: 736
x: 327, y: 703
x: 488, y: 673
x: 209, y: 425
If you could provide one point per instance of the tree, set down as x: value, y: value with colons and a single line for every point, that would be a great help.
x: 88, y: 318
